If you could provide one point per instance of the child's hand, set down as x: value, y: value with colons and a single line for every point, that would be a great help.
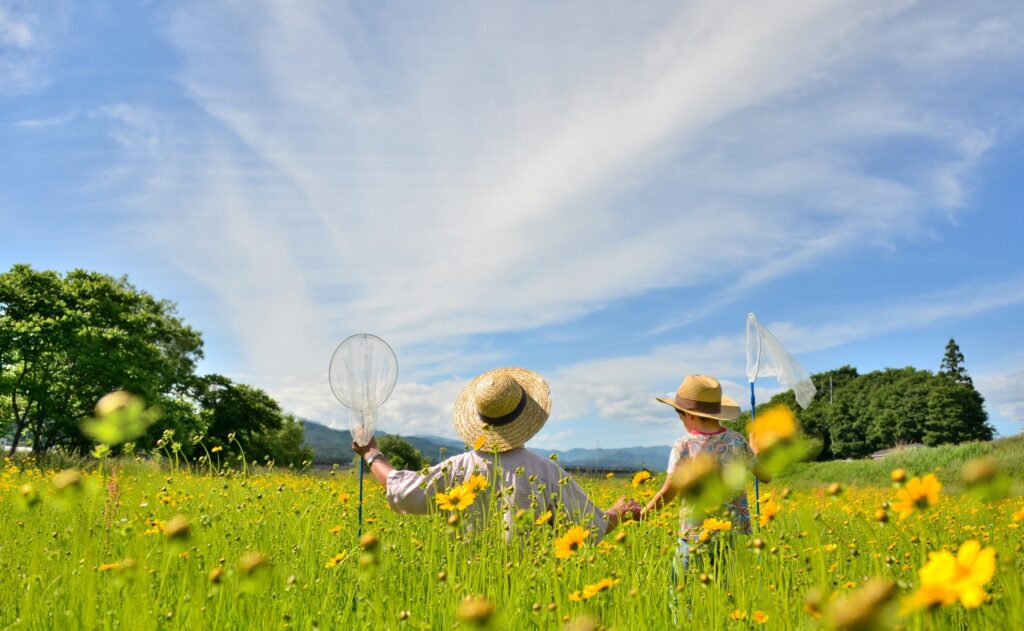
x: 626, y: 507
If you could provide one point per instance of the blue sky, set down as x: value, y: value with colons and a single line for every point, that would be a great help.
x: 600, y: 194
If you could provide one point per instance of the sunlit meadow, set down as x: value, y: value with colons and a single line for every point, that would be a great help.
x: 149, y: 544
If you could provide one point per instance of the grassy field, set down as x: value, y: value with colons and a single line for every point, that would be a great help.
x: 1007, y: 453
x: 137, y: 546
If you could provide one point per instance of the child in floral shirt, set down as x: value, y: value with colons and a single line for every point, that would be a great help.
x: 700, y: 405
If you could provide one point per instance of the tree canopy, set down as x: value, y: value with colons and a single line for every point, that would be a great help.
x: 65, y: 341
x: 890, y: 407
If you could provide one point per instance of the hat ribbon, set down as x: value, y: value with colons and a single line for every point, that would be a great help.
x: 511, y: 416
x: 690, y: 405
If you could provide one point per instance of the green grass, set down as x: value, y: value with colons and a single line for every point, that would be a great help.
x: 1008, y: 454
x: 52, y: 556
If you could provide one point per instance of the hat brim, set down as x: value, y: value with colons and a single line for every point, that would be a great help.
x: 730, y: 410
x: 471, y: 427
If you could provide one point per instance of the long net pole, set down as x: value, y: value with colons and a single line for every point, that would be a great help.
x: 359, y: 530
x: 757, y: 488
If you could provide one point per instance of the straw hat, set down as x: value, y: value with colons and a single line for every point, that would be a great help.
x: 701, y: 395
x: 505, y: 406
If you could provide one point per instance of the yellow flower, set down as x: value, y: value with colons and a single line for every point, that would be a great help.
x: 336, y: 529
x: 570, y: 542
x: 459, y: 498
x: 738, y: 615
x: 106, y: 567
x: 479, y: 443
x: 216, y: 448
x: 1018, y: 516
x: 610, y: 475
x: 946, y: 579
x: 918, y: 494
x: 343, y: 498
x: 335, y: 560
x: 774, y: 425
x: 641, y: 477
x: 760, y: 617
x: 543, y: 519
x: 589, y: 591
x: 712, y: 524
x: 476, y: 483
x: 899, y: 476
x: 768, y: 510
x: 829, y: 547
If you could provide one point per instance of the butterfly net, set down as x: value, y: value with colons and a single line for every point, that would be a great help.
x: 363, y: 373
x: 767, y: 358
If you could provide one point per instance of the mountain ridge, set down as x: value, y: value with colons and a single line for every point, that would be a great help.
x: 334, y: 446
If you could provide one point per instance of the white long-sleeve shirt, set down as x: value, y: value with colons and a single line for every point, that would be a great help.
x: 536, y: 484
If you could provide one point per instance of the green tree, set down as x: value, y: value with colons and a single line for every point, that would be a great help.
x: 255, y: 420
x: 953, y: 364
x: 400, y: 453
x: 67, y: 341
x: 284, y: 446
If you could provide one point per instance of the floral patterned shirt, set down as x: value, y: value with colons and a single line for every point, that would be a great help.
x: 724, y: 446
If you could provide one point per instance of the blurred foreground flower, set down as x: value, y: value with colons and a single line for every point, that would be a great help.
x: 946, y: 579
x: 985, y: 480
x: 918, y: 494
x: 704, y: 484
x: 865, y: 609
x: 119, y: 417
x: 475, y: 610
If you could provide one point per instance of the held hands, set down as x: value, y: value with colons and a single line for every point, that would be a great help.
x: 625, y: 508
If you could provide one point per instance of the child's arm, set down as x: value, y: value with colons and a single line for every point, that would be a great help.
x: 665, y: 496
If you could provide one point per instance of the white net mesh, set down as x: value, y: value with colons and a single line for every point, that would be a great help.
x: 767, y: 358
x: 363, y: 373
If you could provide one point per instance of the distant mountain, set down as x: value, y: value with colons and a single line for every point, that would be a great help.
x: 332, y: 446
x: 335, y: 446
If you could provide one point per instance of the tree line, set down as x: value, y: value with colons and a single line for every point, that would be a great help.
x: 67, y: 340
x: 853, y: 415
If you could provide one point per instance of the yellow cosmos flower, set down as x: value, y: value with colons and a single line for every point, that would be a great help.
x: 336, y: 529
x: 335, y: 560
x: 774, y: 425
x: 543, y: 519
x: 918, y: 494
x: 570, y: 542
x: 760, y: 617
x: 476, y: 483
x: 768, y: 510
x: 610, y: 475
x: 479, y: 443
x: 946, y: 579
x: 590, y: 591
x: 1018, y: 516
x: 712, y: 524
x: 459, y: 498
x: 641, y: 477
x: 738, y: 615
x: 216, y: 448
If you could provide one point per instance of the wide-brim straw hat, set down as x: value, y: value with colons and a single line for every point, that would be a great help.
x: 701, y: 395
x: 505, y: 406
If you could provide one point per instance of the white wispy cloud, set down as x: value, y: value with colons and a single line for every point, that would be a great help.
x: 29, y: 36
x: 1004, y: 393
x: 437, y: 175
